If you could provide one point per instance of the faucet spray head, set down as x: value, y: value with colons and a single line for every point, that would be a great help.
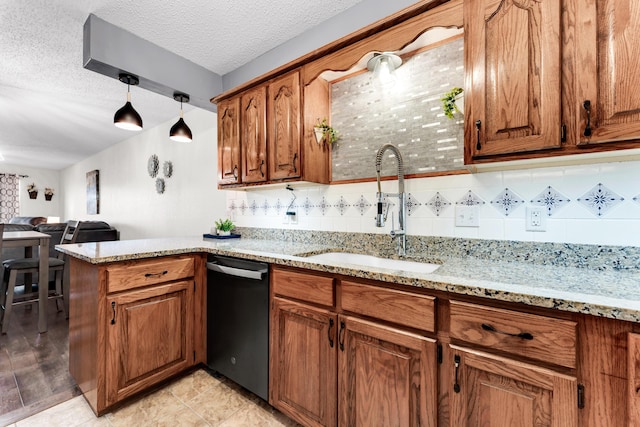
x: 381, y: 215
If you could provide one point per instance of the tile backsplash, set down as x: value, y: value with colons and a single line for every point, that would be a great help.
x: 588, y: 204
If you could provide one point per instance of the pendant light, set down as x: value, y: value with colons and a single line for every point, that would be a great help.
x: 127, y: 117
x: 180, y: 132
x: 383, y: 65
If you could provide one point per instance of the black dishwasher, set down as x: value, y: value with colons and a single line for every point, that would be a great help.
x: 238, y: 321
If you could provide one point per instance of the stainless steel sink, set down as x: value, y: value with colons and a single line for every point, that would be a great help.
x: 373, y: 261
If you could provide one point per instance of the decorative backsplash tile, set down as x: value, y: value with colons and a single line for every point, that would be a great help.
x: 599, y: 200
x: 409, y: 115
x: 551, y: 199
x: 609, y: 213
x: 506, y: 202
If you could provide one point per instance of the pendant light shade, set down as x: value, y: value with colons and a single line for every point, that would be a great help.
x: 384, y: 65
x: 127, y: 117
x: 180, y: 132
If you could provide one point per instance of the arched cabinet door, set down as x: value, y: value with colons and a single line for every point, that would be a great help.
x: 284, y: 131
x: 513, y: 79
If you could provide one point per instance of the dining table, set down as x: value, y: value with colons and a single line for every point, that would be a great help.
x: 30, y: 240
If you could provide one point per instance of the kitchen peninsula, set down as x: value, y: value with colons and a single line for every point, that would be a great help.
x: 568, y: 333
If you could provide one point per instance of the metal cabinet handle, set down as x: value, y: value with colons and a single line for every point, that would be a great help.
x: 456, y: 363
x: 235, y: 172
x: 113, y: 307
x: 295, y: 169
x: 261, y: 168
x: 330, y: 334
x: 587, y: 106
x: 521, y: 335
x: 341, y: 335
x: 156, y: 274
x: 478, y: 126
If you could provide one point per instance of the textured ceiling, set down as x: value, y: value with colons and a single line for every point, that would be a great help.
x: 54, y: 113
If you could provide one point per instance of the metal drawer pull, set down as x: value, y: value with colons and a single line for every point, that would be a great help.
x: 521, y: 335
x: 456, y: 362
x: 113, y: 307
x: 156, y: 274
x: 587, y: 107
x: 341, y: 335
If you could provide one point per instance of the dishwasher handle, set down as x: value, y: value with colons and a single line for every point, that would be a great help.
x: 238, y: 272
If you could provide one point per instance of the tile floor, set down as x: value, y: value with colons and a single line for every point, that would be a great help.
x: 197, y: 399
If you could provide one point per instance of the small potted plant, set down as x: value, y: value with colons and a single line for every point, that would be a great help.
x: 324, y: 132
x: 48, y: 193
x: 224, y: 227
x: 32, y: 190
x: 449, y: 101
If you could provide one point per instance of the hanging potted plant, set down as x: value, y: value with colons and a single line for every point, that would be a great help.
x: 324, y: 132
x: 449, y: 99
x: 32, y: 190
x: 48, y: 193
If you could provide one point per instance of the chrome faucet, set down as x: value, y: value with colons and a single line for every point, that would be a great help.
x: 381, y: 215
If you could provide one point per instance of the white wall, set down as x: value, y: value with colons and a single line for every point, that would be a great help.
x: 319, y: 206
x: 41, y: 178
x: 128, y: 198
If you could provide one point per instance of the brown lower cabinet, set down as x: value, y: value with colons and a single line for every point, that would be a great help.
x: 357, y: 352
x: 338, y: 369
x: 133, y: 324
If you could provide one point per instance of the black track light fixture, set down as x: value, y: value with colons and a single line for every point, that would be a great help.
x: 180, y: 132
x: 127, y: 117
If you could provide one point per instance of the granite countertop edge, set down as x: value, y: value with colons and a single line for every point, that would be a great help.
x: 611, y: 294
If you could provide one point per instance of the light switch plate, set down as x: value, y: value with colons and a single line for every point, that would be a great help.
x: 467, y: 216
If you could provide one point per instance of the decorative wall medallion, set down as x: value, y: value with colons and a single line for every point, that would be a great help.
x: 159, y: 185
x: 637, y: 199
x: 438, y: 203
x: 362, y: 205
x: 152, y: 166
x: 278, y: 207
x: 167, y: 169
x: 600, y: 200
x: 506, y: 202
x: 232, y: 206
x: 412, y: 204
x: 551, y: 199
x: 342, y: 205
x: 470, y: 199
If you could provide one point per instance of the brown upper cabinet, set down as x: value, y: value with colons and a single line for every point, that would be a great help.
x: 284, y: 134
x: 229, y: 141
x: 253, y: 146
x: 608, y: 34
x: 512, y: 68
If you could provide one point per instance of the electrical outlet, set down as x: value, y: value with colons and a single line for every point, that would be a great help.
x: 467, y: 216
x: 535, y: 219
x: 291, y: 217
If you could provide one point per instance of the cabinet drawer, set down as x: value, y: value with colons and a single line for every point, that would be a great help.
x: 303, y: 286
x: 404, y: 308
x: 135, y: 274
x: 537, y: 337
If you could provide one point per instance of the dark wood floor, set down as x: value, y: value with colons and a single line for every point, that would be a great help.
x: 34, y: 368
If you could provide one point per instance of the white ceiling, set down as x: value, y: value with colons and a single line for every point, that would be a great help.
x: 54, y: 113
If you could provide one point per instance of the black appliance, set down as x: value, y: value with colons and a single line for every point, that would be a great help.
x: 238, y: 321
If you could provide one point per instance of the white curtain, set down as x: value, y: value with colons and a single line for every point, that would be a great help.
x: 9, y: 196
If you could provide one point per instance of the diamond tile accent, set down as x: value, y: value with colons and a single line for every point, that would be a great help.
x: 243, y: 207
x: 253, y: 207
x: 438, y: 203
x: 599, y: 200
x: 278, y: 207
x: 265, y: 206
x: 232, y: 206
x: 307, y: 205
x: 324, y: 205
x: 342, y: 205
x: 637, y: 199
x: 506, y: 202
x: 470, y: 199
x: 362, y: 205
x: 551, y: 199
x: 412, y: 204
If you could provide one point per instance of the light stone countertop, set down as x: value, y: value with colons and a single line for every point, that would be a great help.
x: 610, y: 293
